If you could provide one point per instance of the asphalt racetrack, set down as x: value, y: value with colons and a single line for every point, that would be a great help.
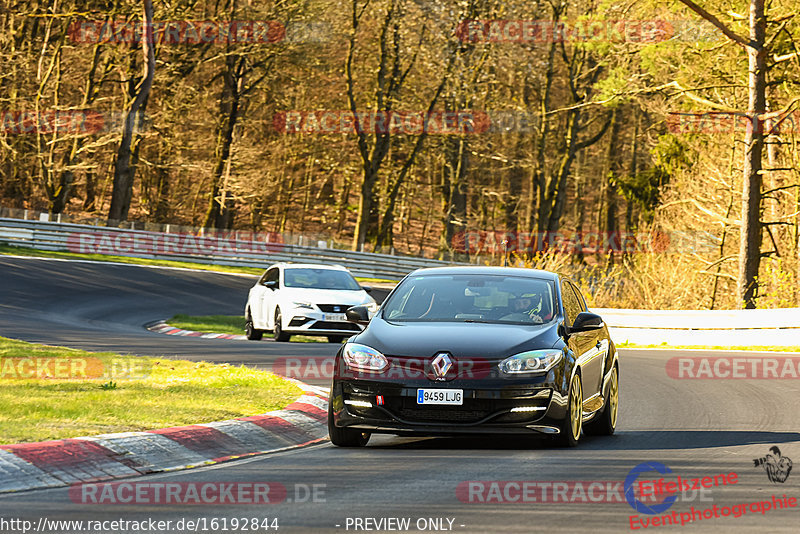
x: 696, y: 428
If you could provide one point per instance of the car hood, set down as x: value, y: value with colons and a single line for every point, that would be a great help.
x: 326, y: 296
x: 466, y: 340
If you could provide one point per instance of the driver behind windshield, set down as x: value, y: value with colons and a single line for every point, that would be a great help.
x: 525, y: 308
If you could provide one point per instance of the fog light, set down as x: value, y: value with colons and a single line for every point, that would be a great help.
x: 358, y: 403
x: 525, y: 408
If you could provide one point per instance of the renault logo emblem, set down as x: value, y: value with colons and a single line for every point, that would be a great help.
x: 441, y: 364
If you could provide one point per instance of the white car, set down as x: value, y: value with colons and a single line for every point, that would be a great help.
x: 310, y: 299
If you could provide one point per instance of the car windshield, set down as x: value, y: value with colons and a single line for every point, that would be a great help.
x: 320, y: 279
x: 472, y: 298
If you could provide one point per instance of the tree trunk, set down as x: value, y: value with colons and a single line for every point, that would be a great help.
x: 513, y: 187
x: 365, y: 207
x: 610, y: 226
x: 91, y: 192
x: 454, y: 192
x: 125, y: 168
x: 750, y: 243
x: 216, y: 216
x: 750, y: 236
x: 557, y: 190
x: 537, y: 188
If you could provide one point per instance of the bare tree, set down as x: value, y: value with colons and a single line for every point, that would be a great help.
x: 750, y: 239
x: 124, y: 167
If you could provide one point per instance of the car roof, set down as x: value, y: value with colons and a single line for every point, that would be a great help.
x: 287, y: 265
x: 506, y: 271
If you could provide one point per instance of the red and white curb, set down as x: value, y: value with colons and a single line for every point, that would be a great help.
x: 47, y: 464
x: 161, y: 327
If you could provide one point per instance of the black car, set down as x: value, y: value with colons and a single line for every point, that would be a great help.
x: 466, y: 350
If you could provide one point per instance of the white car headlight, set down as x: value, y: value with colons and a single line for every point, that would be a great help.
x: 364, y: 358
x: 303, y: 305
x: 533, y: 361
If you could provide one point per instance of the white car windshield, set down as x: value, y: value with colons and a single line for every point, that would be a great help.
x: 320, y: 279
x: 472, y: 298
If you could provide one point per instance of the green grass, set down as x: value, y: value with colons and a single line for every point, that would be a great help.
x: 753, y: 348
x: 224, y: 324
x: 8, y: 250
x: 167, y: 393
x: 217, y: 324
x: 365, y: 280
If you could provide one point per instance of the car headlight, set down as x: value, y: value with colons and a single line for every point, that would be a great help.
x: 364, y: 358
x: 533, y: 361
x: 303, y: 305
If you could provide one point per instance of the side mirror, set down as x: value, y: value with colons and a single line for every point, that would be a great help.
x: 272, y: 284
x: 586, y: 321
x: 357, y: 314
x: 368, y: 289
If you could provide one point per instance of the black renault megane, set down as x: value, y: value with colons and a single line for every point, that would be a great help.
x: 460, y: 350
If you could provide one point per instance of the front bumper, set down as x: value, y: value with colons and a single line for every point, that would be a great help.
x: 317, y: 323
x: 491, y: 407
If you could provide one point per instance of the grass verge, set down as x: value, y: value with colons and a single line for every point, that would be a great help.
x: 8, y: 250
x: 224, y: 324
x: 753, y: 348
x: 95, y: 393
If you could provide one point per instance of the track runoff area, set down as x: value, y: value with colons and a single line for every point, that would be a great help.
x: 721, y: 423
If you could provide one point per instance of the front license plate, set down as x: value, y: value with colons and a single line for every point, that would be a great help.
x: 440, y: 396
x: 337, y: 317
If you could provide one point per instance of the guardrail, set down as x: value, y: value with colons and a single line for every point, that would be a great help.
x: 703, y: 319
x: 718, y: 328
x: 235, y: 248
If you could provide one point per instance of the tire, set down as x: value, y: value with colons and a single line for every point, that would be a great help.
x: 335, y: 339
x: 278, y: 332
x: 573, y: 423
x: 606, y: 422
x: 345, y: 437
x: 252, y: 333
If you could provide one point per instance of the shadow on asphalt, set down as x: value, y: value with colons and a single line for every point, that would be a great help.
x: 622, y: 441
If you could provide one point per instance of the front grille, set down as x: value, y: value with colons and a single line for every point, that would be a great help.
x: 472, y: 411
x: 333, y: 308
x: 454, y: 415
x: 334, y: 325
x: 400, y: 402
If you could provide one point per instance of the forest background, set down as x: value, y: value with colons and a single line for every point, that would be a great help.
x: 647, y: 148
